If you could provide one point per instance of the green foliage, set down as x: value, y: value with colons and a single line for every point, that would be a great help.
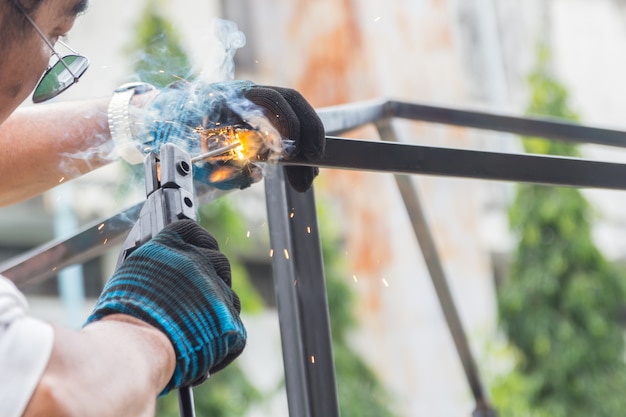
x: 560, y: 303
x: 225, y: 394
x: 358, y: 388
x: 161, y: 57
x: 226, y: 224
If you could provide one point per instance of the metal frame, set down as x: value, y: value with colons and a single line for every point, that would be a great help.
x: 297, y: 261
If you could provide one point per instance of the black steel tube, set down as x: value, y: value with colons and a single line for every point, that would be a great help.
x: 285, y: 293
x: 43, y: 262
x: 302, y: 300
x: 46, y: 261
x: 527, y: 126
x: 342, y: 118
x: 312, y: 298
x: 416, y: 159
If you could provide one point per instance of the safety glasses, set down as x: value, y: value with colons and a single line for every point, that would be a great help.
x: 60, y: 76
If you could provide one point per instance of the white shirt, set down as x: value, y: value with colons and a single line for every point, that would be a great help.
x: 25, y: 346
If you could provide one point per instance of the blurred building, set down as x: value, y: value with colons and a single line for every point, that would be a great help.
x: 469, y: 54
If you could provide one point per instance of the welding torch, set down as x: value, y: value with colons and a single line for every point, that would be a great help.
x: 169, y: 197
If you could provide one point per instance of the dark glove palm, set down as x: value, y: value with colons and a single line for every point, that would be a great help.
x: 183, y: 108
x: 180, y: 283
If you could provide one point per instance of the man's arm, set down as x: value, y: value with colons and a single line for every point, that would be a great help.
x: 114, y: 367
x: 44, y: 145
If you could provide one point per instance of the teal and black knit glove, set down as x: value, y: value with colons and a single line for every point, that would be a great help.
x: 180, y: 112
x: 180, y: 283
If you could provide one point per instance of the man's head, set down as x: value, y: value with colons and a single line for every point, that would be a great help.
x: 25, y: 55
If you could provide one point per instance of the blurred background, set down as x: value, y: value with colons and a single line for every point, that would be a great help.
x: 536, y: 272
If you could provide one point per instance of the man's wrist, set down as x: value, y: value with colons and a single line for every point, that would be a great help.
x: 126, y: 122
x: 156, y: 344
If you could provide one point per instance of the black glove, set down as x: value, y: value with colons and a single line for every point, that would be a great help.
x: 180, y: 283
x: 183, y: 110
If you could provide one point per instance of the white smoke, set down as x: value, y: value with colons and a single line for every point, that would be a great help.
x: 217, y: 61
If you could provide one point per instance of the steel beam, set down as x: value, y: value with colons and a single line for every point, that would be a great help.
x: 402, y: 158
x: 44, y: 261
x: 301, y: 299
x: 526, y: 126
x: 342, y: 118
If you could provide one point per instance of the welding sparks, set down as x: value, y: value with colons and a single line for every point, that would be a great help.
x: 312, y: 359
x: 101, y: 226
x: 271, y: 253
x: 245, y: 143
x: 286, y: 252
x: 61, y: 180
x: 354, y: 278
x: 248, y: 234
x: 308, y: 229
x: 385, y: 282
x: 105, y: 241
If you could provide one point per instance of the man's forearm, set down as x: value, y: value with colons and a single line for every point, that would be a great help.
x: 115, y: 367
x: 44, y: 145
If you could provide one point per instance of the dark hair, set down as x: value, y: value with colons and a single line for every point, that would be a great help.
x: 13, y: 24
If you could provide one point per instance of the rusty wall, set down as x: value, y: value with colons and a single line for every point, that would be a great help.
x: 344, y: 51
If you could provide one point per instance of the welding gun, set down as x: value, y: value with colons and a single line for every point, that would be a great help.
x: 169, y: 197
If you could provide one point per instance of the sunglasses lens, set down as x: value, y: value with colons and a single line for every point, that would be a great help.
x: 57, y: 78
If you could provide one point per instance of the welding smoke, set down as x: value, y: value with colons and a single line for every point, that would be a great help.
x: 217, y: 61
x: 214, y: 65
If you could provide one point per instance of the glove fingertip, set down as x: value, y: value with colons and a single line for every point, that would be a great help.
x: 301, y: 177
x: 192, y: 233
x: 221, y: 264
x: 312, y: 133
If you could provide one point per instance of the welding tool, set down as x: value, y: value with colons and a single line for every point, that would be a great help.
x: 169, y: 197
x: 166, y: 249
x: 170, y: 194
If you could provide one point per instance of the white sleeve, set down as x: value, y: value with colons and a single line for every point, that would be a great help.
x: 25, y: 346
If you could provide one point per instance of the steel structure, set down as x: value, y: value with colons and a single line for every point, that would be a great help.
x: 299, y: 274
